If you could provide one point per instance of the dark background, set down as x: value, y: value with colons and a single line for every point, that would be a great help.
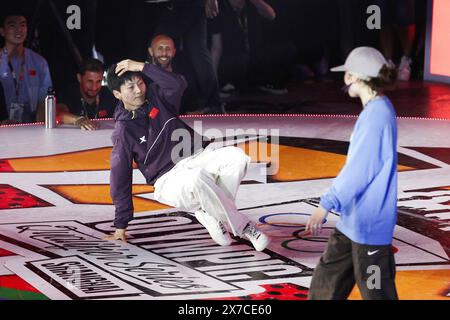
x: 122, y: 29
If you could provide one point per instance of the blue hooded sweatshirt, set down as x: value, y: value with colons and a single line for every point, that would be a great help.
x: 365, y: 191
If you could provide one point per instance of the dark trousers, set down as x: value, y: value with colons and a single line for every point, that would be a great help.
x: 345, y: 263
x: 271, y: 63
x: 187, y: 26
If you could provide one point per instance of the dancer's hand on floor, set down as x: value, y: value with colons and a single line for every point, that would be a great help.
x: 120, y: 234
x: 314, y: 225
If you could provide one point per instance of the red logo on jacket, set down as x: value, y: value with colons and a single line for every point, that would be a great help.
x: 102, y: 113
x: 153, y: 113
x: 32, y: 72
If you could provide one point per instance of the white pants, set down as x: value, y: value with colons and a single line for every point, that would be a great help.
x: 209, y: 181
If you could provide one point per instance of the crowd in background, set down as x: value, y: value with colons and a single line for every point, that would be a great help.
x: 223, y: 47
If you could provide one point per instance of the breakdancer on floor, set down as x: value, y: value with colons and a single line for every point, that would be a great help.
x: 170, y: 154
x: 364, y: 192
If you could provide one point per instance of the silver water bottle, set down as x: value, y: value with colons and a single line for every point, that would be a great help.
x: 50, y: 109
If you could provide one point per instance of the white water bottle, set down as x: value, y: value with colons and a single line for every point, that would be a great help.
x: 50, y: 109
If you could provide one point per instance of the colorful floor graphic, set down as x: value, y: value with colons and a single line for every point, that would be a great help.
x: 55, y: 208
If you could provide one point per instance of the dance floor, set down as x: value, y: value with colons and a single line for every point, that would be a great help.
x: 55, y: 209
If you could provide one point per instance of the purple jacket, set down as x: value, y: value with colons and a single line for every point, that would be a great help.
x: 147, y: 138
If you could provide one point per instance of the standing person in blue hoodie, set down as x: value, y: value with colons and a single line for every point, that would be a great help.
x: 170, y: 154
x: 364, y: 193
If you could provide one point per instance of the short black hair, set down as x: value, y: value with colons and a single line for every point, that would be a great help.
x: 91, y: 64
x: 114, y: 81
x: 10, y: 10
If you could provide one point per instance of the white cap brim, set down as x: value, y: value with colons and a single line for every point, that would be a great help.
x: 339, y: 69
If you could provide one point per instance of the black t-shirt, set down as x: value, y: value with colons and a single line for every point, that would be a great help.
x: 103, y: 107
x: 232, y: 26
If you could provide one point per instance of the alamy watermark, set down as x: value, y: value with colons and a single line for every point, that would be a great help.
x: 73, y: 277
x: 374, y: 280
x: 74, y: 20
x: 374, y: 20
x: 262, y: 145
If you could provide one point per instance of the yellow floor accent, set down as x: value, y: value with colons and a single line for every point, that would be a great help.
x: 89, y: 160
x: 294, y: 163
x: 418, y: 285
x: 97, y: 159
x: 99, y: 194
x: 297, y: 163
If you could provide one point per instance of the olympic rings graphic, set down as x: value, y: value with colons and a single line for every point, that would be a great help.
x: 263, y: 219
x: 300, y: 227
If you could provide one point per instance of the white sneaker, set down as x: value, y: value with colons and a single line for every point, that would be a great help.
x: 257, y: 237
x: 404, y: 69
x: 215, y: 228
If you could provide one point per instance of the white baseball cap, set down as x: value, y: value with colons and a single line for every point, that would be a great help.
x: 364, y: 62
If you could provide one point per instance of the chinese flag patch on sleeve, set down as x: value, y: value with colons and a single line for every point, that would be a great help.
x: 153, y: 113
